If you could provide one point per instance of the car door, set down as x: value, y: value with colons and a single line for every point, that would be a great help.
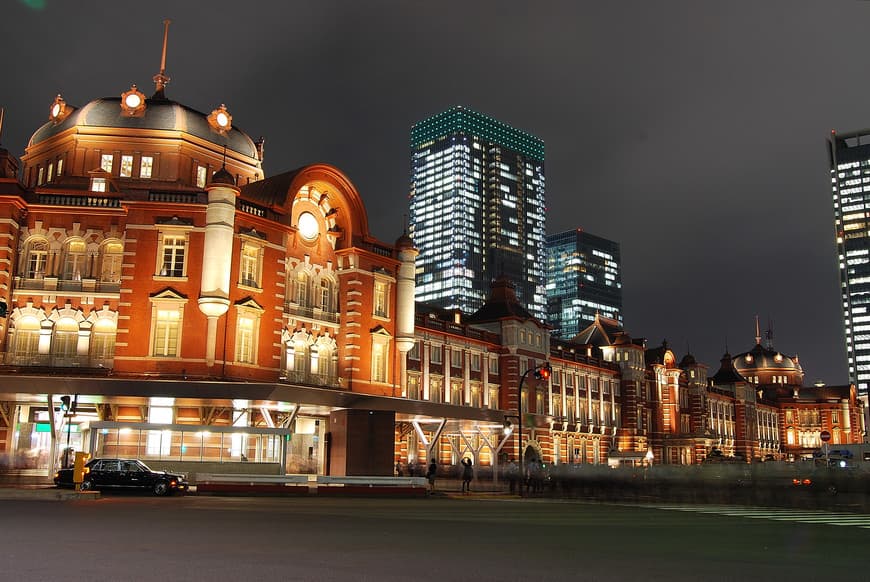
x: 108, y: 474
x: 135, y: 475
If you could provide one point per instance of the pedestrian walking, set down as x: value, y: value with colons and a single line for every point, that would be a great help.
x: 467, y: 475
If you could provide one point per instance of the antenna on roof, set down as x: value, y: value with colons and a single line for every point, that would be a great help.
x: 160, y: 79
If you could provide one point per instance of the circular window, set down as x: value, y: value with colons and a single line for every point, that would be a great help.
x: 308, y: 226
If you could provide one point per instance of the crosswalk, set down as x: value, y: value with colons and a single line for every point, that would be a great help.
x: 777, y: 514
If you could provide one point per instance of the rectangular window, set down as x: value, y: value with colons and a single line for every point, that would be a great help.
x: 249, y: 265
x: 245, y: 341
x: 200, y: 176
x: 414, y: 354
x: 145, y: 167
x: 493, y: 366
x: 41, y: 177
x: 166, y: 330
x: 159, y: 441
x: 435, y: 353
x: 98, y: 184
x: 475, y: 362
x: 835, y: 416
x: 173, y: 255
x: 455, y: 358
x: 106, y: 161
x: 50, y: 172
x: 380, y: 299
x: 126, y: 166
x: 379, y: 362
x: 60, y: 167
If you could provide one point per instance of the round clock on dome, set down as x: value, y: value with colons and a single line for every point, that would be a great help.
x: 57, y: 111
x: 133, y: 102
x: 220, y: 120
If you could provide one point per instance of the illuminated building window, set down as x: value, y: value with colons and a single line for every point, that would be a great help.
x: 436, y: 389
x: 102, y: 345
x: 50, y: 172
x: 65, y: 340
x: 159, y: 442
x: 246, y: 340
x: 106, y: 161
x: 60, y: 167
x: 456, y: 392
x: 172, y: 252
x: 413, y: 387
x: 327, y: 299
x: 36, y: 257
x: 167, y: 315
x: 299, y: 289
x: 126, y: 166
x: 111, y: 257
x: 250, y: 264
x: 98, y: 184
x: 379, y: 358
x: 74, y: 260
x: 145, y: 167
x: 201, y: 175
x: 41, y: 176
x: 380, y: 299
x: 25, y: 339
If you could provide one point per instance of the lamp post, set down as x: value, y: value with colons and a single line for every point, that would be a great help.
x: 541, y: 372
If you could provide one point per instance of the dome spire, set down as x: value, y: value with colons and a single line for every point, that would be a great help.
x: 160, y: 79
x: 757, y: 332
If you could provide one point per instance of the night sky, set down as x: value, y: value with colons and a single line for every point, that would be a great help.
x: 693, y: 132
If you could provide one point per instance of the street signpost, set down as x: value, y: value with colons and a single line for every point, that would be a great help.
x: 825, y: 436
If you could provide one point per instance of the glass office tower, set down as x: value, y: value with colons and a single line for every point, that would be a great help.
x: 584, y: 277
x: 477, y: 210
x: 850, y: 183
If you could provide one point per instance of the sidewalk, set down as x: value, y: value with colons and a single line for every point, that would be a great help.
x: 44, y: 493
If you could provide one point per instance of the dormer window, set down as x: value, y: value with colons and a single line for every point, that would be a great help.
x: 126, y: 166
x: 106, y: 161
x: 98, y: 184
x: 201, y: 174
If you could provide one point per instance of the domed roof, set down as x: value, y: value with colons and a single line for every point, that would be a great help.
x: 761, y: 357
x: 404, y: 242
x: 223, y: 177
x: 159, y: 114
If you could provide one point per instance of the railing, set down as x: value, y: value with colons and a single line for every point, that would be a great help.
x: 55, y: 284
x: 311, y: 312
x: 67, y: 200
x: 307, y: 378
x: 55, y: 361
x: 176, y: 197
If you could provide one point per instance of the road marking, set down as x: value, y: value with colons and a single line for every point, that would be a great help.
x: 775, y: 514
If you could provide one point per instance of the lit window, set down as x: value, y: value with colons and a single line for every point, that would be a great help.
x: 379, y: 359
x: 110, y: 267
x: 65, y: 340
x: 159, y: 441
x: 37, y: 257
x: 380, y: 299
x: 145, y: 167
x: 41, y: 177
x: 245, y: 338
x: 25, y: 339
x: 60, y: 167
x: 98, y: 184
x: 200, y: 176
x: 74, y: 260
x: 106, y: 162
x: 249, y: 265
x: 173, y: 255
x: 50, y: 172
x: 126, y: 166
x: 327, y: 295
x: 167, y: 325
x: 103, y: 341
x: 299, y: 289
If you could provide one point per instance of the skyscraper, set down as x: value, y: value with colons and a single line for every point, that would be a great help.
x: 584, y: 277
x: 477, y: 210
x: 850, y: 183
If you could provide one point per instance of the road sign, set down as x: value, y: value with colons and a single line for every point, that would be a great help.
x: 825, y: 436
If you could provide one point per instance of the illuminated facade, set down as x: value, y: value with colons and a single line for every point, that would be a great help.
x: 584, y: 278
x: 477, y: 210
x: 850, y: 184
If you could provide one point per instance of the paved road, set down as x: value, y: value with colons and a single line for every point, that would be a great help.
x: 131, y: 538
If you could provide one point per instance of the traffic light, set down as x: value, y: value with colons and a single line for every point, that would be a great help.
x: 543, y: 371
x: 65, y: 404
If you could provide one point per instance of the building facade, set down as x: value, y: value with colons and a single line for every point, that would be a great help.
x: 584, y: 278
x: 477, y: 210
x: 849, y: 157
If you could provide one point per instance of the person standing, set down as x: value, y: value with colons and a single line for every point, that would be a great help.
x: 467, y: 475
x: 430, y: 474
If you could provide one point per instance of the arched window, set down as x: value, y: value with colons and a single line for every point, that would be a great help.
x: 103, y: 341
x: 111, y: 257
x: 65, y: 340
x: 299, y: 289
x: 36, y: 258
x: 25, y: 345
x: 327, y: 298
x: 74, y: 266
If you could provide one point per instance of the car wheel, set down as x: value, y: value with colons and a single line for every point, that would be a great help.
x: 87, y: 485
x: 161, y: 488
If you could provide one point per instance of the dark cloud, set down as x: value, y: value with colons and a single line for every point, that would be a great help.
x: 691, y: 132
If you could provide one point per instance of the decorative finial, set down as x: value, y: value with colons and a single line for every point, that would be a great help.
x: 160, y: 79
x: 757, y: 332
x: 224, y: 165
x: 2, y: 113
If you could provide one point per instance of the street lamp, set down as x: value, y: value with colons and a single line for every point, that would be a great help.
x: 541, y: 372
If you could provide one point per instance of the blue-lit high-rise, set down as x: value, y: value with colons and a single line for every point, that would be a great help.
x: 584, y: 277
x: 477, y: 210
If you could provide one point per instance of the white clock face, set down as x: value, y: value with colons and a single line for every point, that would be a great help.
x: 222, y: 119
x: 133, y: 101
x: 55, y: 110
x: 308, y: 226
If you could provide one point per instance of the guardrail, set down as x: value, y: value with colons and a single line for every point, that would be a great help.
x: 311, y: 480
